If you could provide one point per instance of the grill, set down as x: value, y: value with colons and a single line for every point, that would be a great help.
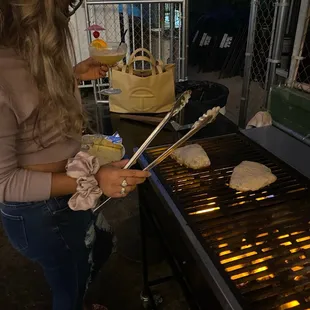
x: 259, y: 241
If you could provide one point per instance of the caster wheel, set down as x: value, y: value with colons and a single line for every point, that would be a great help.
x: 146, y: 303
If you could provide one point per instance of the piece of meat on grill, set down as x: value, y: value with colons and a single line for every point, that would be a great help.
x: 251, y: 176
x: 192, y: 156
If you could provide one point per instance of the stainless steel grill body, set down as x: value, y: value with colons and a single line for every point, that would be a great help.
x: 258, y: 242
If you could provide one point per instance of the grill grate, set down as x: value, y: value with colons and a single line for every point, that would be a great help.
x: 260, y: 239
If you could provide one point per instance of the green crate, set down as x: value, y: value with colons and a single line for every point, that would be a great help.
x: 291, y: 108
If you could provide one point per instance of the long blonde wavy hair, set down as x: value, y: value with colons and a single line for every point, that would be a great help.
x: 39, y: 32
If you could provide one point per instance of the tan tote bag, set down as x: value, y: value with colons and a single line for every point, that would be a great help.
x: 143, y: 91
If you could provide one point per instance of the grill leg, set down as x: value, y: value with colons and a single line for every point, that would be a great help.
x: 146, y: 295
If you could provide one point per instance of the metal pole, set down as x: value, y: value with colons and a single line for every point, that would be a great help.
x: 150, y: 28
x: 142, y: 33
x: 126, y: 27
x: 304, y: 139
x: 303, y: 20
x: 159, y: 31
x: 289, y: 19
x: 275, y: 60
x: 273, y: 32
x: 185, y: 38
x: 180, y: 46
x: 133, y: 32
x: 248, y: 64
x: 172, y: 27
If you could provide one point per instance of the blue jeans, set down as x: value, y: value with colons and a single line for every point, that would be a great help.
x: 67, y: 244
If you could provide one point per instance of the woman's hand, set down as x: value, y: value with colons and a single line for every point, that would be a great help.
x: 90, y: 69
x: 112, y: 177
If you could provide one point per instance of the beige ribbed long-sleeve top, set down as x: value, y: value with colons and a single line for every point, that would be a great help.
x: 19, y: 100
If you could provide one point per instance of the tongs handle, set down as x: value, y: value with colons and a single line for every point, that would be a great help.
x: 147, y: 142
x: 204, y: 120
x: 177, y: 107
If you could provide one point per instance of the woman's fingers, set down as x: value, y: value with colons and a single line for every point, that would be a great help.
x: 129, y: 181
x: 104, y: 68
x: 102, y: 72
x: 133, y: 181
x: 128, y: 173
x: 120, y: 164
x: 124, y: 190
x: 118, y: 192
x: 116, y: 182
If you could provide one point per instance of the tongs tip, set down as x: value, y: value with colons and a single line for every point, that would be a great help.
x: 207, y: 118
x: 181, y: 102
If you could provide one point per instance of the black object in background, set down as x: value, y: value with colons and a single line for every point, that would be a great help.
x: 205, y: 95
x: 217, y: 37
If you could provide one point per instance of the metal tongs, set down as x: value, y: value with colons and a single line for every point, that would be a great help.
x: 203, y: 121
x: 177, y: 107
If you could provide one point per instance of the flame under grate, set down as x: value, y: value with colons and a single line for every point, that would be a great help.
x: 262, y: 238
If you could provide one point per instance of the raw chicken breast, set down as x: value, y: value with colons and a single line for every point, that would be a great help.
x: 192, y: 156
x: 251, y: 176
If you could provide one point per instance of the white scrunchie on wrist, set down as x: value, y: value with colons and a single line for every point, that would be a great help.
x: 83, y: 167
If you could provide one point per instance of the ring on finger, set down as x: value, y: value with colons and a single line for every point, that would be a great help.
x: 123, y: 191
x: 124, y: 183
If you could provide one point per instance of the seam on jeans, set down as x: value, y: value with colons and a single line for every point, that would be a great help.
x: 58, y: 204
x: 60, y: 207
x: 19, y: 219
x: 47, y: 207
x: 56, y: 228
x: 21, y: 205
x: 50, y: 208
x: 12, y: 217
x: 62, y: 237
x: 7, y: 204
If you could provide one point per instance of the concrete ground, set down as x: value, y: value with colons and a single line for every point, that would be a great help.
x: 22, y: 284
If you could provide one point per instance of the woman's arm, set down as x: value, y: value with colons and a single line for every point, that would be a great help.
x: 62, y: 185
x: 23, y: 185
x: 17, y: 184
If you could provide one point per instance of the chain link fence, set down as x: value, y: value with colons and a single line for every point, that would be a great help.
x: 303, y: 72
x: 264, y: 54
x: 299, y: 75
x: 80, y: 40
x: 157, y: 26
x: 262, y: 41
x: 160, y: 26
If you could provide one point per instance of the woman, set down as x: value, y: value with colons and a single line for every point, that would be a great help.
x: 40, y: 129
